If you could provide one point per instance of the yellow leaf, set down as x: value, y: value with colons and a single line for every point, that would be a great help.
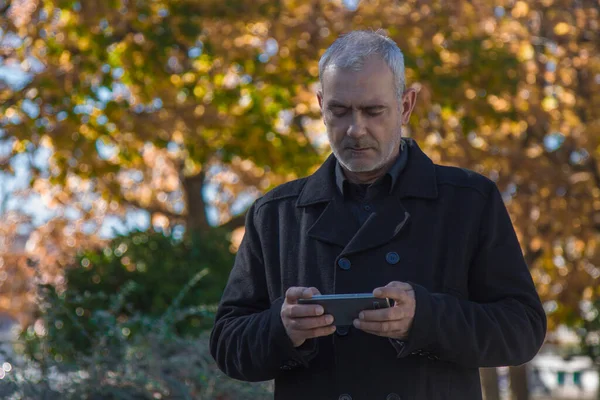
x: 562, y: 28
x: 438, y: 39
x: 10, y: 113
x: 46, y: 141
x: 549, y: 103
x: 65, y: 16
x: 189, y: 77
x: 175, y: 79
x: 84, y: 43
x: 520, y: 9
x: 526, y: 52
x: 199, y: 91
x: 18, y: 146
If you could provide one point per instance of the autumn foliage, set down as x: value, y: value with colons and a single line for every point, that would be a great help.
x: 188, y: 110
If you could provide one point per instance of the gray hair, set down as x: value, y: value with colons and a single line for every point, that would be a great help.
x: 351, y: 50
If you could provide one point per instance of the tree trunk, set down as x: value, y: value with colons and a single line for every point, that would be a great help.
x: 518, y: 383
x: 489, y: 383
x: 196, y: 216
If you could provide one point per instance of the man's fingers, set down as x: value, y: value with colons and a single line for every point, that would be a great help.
x: 400, y: 285
x: 394, y: 321
x: 397, y: 293
x: 314, y: 291
x: 323, y: 331
x: 299, y: 336
x: 294, y: 293
x: 384, y: 314
x: 308, y: 323
x: 303, y: 310
x: 304, y: 321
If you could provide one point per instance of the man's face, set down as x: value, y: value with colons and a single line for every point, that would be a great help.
x: 363, y: 115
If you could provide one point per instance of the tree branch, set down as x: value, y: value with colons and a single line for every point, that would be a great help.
x: 152, y: 209
x: 236, y: 222
x: 245, y: 176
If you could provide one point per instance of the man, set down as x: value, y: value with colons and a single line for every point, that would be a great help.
x: 378, y: 216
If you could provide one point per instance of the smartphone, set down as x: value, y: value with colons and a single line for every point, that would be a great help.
x: 346, y: 307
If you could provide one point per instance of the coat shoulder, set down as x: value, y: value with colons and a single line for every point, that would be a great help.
x: 288, y: 191
x: 464, y: 178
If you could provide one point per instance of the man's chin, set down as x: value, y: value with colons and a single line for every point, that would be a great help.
x: 354, y: 166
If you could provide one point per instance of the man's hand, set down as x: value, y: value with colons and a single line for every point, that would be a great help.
x: 304, y: 321
x: 393, y: 322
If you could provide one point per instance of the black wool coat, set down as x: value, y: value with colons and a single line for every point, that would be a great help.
x: 444, y: 230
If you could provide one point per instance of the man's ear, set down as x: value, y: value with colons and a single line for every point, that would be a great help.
x: 409, y: 99
x: 320, y: 99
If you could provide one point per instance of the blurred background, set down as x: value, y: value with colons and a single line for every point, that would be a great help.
x: 134, y: 134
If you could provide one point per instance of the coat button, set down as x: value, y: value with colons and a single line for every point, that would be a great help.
x: 345, y: 397
x: 392, y: 257
x: 344, y: 263
x: 393, y: 396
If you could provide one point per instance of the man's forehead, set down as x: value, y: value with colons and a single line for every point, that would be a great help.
x: 370, y: 83
x: 358, y: 94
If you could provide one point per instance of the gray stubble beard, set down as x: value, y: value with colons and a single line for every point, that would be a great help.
x: 380, y: 164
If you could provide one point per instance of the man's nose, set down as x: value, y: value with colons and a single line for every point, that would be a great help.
x: 357, y: 126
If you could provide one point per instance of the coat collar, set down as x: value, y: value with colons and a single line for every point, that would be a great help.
x: 417, y: 180
x: 390, y: 178
x: 337, y: 225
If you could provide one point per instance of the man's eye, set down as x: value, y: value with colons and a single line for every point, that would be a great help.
x: 374, y: 113
x: 339, y: 111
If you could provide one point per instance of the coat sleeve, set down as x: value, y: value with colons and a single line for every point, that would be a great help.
x: 248, y: 340
x: 502, y: 322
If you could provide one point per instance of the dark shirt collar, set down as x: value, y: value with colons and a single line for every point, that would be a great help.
x: 392, y: 174
x: 418, y: 179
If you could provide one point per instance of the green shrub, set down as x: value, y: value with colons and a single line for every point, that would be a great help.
x: 149, y: 269
x: 155, y: 363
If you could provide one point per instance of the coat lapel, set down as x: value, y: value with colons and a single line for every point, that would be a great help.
x: 336, y: 224
x: 381, y: 227
x: 417, y: 180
